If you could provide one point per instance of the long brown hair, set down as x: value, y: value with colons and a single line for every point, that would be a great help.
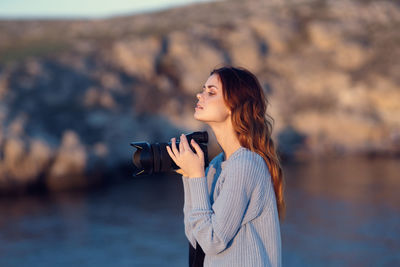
x: 244, y: 96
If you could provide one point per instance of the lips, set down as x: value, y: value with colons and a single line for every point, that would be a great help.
x: 198, y: 106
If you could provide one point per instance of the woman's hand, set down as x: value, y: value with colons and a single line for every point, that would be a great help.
x: 192, y: 164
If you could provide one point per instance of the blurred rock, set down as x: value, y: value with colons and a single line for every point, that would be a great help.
x: 71, y: 103
x: 136, y: 56
x: 23, y: 162
x: 68, y: 169
x: 192, y: 59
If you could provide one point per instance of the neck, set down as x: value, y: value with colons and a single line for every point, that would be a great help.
x: 226, y: 137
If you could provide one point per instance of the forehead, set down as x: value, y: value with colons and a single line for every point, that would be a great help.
x: 214, y: 80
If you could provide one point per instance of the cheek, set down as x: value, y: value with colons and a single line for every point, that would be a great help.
x: 218, y: 107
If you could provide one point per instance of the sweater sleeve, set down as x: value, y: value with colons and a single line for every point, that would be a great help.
x: 215, y: 226
x: 187, y: 206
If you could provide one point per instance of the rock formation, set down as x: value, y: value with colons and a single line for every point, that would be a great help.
x: 74, y: 94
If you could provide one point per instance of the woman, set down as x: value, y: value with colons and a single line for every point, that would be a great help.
x: 232, y: 209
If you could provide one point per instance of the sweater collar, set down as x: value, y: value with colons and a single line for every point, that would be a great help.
x: 234, y: 154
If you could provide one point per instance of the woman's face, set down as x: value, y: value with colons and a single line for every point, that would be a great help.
x: 211, y: 106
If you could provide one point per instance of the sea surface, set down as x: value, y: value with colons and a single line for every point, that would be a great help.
x: 340, y: 212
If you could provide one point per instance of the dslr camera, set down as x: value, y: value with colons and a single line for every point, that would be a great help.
x: 151, y: 159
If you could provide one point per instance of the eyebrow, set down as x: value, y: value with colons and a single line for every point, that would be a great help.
x: 209, y: 86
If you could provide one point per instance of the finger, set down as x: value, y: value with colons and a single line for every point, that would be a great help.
x: 174, y: 149
x: 181, y: 147
x: 180, y: 171
x: 170, y: 153
x: 198, y: 149
x: 185, y: 142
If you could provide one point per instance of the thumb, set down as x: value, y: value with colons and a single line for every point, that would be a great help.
x: 198, y: 149
x: 180, y: 171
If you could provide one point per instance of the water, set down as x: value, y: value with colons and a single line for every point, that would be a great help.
x: 136, y: 223
x: 343, y: 213
x: 340, y: 213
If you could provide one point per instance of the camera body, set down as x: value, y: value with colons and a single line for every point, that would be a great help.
x: 150, y: 159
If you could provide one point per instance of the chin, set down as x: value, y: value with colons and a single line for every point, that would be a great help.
x: 198, y: 117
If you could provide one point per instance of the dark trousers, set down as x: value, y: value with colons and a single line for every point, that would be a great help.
x: 196, y: 256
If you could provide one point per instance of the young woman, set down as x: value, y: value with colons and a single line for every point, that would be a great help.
x: 232, y: 210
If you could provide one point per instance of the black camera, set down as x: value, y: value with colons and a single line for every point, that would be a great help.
x: 154, y: 158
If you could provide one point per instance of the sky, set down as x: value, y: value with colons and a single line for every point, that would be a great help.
x: 28, y: 9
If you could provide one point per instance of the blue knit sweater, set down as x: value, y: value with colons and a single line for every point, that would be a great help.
x: 232, y: 212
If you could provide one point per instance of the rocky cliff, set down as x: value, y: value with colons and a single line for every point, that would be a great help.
x: 74, y: 94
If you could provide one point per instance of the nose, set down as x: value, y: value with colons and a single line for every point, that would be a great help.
x: 198, y: 95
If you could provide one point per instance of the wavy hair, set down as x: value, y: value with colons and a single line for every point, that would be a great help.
x: 245, y: 98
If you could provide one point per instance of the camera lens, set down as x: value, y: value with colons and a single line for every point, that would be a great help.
x: 154, y: 158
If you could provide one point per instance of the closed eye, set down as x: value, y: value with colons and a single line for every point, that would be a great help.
x: 209, y: 87
x: 209, y: 92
